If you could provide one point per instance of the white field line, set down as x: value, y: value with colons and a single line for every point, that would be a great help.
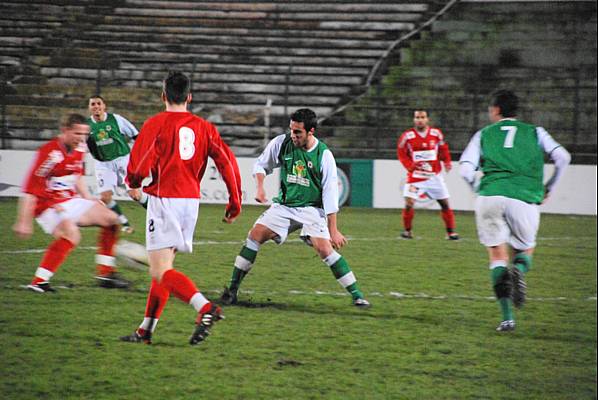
x: 391, y: 295
x: 350, y: 239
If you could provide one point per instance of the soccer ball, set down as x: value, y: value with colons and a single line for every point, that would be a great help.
x: 131, y: 254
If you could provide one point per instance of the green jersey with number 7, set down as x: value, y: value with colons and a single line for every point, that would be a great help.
x: 512, y: 161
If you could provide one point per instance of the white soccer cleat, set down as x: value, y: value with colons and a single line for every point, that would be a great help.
x: 506, y: 326
x: 361, y: 303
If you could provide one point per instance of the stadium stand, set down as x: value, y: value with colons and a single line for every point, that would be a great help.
x: 320, y: 54
x: 240, y: 54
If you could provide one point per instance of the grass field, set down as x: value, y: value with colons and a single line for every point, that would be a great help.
x: 429, y: 335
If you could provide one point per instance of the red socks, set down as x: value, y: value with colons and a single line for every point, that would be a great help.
x: 449, y: 219
x: 156, y: 300
x: 55, y: 255
x: 179, y: 285
x: 105, y: 257
x: 408, y: 214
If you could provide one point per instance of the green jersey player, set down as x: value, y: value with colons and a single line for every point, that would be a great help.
x: 108, y: 144
x: 510, y: 154
x: 308, y: 200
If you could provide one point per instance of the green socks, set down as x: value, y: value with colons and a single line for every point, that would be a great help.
x: 243, y: 264
x: 523, y: 262
x: 343, y: 274
x: 501, y: 283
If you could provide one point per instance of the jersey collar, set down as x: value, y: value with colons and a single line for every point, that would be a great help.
x: 314, y: 146
x: 104, y: 118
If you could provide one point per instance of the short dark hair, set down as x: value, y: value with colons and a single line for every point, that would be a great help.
x: 73, y: 119
x: 307, y: 116
x: 506, y: 101
x: 176, y: 87
x: 421, y: 109
x: 97, y: 96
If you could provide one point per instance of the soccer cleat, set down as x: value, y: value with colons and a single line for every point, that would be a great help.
x: 112, y: 281
x: 506, y: 326
x: 407, y: 235
x: 452, y: 236
x: 127, y: 229
x: 135, y: 337
x: 42, y: 287
x: 204, y: 322
x: 361, y: 303
x: 229, y: 297
x: 519, y: 290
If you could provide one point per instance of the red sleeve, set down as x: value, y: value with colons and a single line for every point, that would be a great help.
x: 41, y: 167
x: 229, y: 169
x: 142, y: 156
x: 403, y: 152
x: 443, y: 150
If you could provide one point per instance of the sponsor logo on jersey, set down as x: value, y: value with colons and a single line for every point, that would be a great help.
x: 298, y: 175
x: 299, y: 168
x: 424, y: 155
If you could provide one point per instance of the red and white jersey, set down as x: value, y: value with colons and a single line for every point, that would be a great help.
x: 173, y: 148
x: 421, y: 154
x: 53, y: 175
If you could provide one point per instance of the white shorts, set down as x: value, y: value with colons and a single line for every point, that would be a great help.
x: 504, y: 220
x: 110, y: 174
x: 170, y: 222
x: 434, y: 188
x: 73, y: 209
x: 283, y: 220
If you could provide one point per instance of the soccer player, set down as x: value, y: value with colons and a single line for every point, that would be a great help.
x: 510, y: 153
x: 421, y: 150
x: 308, y: 200
x: 173, y: 147
x: 108, y: 144
x: 57, y: 197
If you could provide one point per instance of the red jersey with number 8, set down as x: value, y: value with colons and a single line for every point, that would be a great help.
x: 173, y: 148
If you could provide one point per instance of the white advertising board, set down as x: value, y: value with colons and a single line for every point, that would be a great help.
x: 14, y: 165
x: 575, y: 192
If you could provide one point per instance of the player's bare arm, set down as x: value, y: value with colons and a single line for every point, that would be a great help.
x: 337, y: 239
x: 260, y: 195
x: 23, y: 227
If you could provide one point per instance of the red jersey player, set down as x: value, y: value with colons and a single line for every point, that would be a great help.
x: 56, y: 196
x: 173, y: 147
x: 421, y: 150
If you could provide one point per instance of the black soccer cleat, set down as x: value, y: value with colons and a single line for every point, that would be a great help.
x: 519, y: 290
x: 112, y: 281
x: 229, y: 297
x: 204, y: 322
x: 452, y: 236
x: 407, y: 235
x: 506, y: 326
x: 42, y: 287
x: 135, y: 337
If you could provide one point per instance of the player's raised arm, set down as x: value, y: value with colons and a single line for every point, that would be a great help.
x: 227, y: 165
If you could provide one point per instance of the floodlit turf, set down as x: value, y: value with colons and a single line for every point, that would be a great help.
x: 429, y: 335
